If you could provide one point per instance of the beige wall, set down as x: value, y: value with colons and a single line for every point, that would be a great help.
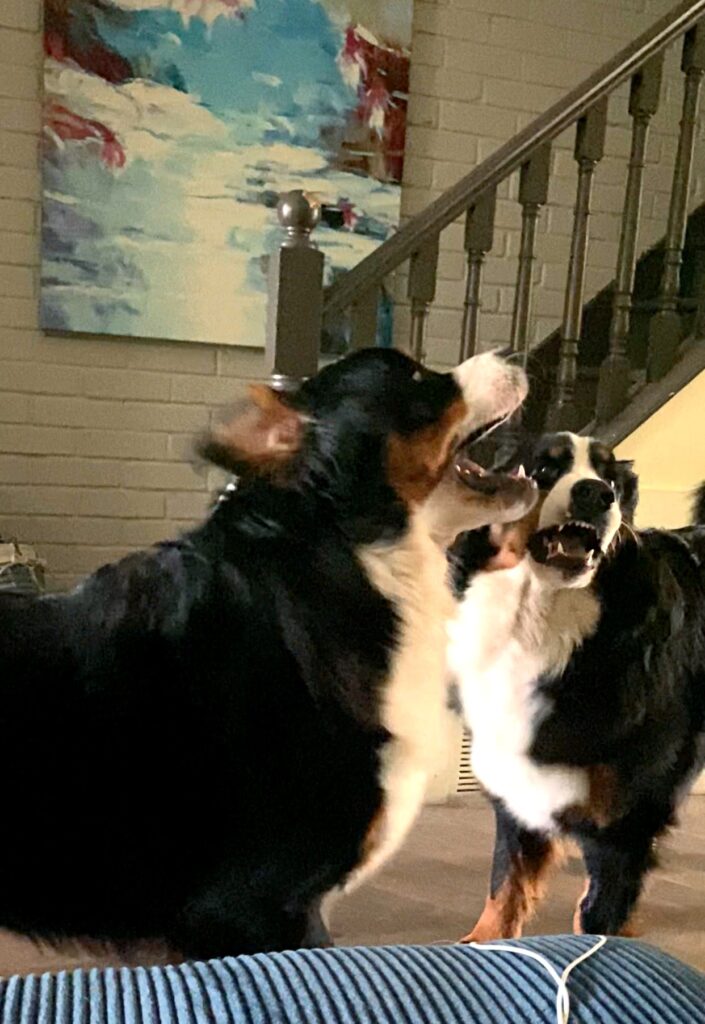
x: 669, y: 455
x: 95, y: 433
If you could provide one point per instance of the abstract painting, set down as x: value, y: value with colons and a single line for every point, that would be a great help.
x: 171, y: 127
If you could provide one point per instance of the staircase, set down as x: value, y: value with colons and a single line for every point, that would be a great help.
x: 616, y: 358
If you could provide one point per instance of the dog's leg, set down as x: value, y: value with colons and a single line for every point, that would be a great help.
x: 209, y: 936
x: 519, y: 865
x: 616, y: 873
x: 230, y: 918
x: 631, y: 930
x: 317, y: 935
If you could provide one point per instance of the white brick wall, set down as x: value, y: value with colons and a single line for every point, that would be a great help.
x: 96, y: 433
x: 483, y: 69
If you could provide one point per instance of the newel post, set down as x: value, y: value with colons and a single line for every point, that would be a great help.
x: 295, y: 301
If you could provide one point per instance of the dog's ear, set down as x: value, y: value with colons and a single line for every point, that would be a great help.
x: 627, y: 486
x: 262, y: 435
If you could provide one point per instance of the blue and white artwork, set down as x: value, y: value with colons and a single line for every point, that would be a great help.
x: 172, y: 126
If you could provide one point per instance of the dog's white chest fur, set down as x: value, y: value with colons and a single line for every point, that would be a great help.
x: 508, y: 632
x: 412, y: 574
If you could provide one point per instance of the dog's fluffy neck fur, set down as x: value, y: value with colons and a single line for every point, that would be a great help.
x: 514, y: 630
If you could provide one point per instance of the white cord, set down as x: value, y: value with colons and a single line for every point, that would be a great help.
x: 562, y: 996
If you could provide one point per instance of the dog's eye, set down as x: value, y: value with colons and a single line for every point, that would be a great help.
x: 544, y: 474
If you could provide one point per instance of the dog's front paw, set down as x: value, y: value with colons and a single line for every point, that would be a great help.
x: 490, y: 925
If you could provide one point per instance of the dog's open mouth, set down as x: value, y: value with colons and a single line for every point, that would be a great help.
x: 478, y: 479
x: 572, y: 547
x: 471, y: 455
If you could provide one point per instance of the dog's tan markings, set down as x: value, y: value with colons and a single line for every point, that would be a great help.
x: 557, y: 451
x: 263, y: 435
x: 505, y: 914
x: 416, y: 463
x: 601, y: 807
x: 489, y: 924
x: 577, y: 915
x: 603, y: 797
x: 633, y: 928
x: 373, y: 836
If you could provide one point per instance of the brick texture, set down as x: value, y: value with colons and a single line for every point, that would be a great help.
x: 494, y: 65
x: 96, y: 434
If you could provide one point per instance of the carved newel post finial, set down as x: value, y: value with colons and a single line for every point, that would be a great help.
x: 295, y: 303
x: 298, y: 215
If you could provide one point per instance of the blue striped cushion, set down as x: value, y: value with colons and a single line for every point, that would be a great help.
x: 624, y: 983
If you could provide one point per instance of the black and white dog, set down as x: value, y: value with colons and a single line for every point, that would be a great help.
x: 581, y: 667
x: 203, y: 740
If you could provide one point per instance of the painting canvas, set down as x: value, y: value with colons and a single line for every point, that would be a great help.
x: 171, y: 127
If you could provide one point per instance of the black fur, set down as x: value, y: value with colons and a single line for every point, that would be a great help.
x: 699, y: 505
x: 190, y: 741
x: 632, y: 699
x: 630, y: 705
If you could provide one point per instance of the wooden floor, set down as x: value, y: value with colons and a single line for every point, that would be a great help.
x: 435, y: 888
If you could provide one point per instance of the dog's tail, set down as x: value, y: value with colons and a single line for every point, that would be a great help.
x: 699, y: 505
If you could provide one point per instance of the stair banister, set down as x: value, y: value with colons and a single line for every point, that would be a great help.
x: 425, y: 226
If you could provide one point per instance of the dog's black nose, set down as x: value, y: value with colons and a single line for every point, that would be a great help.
x: 590, y: 498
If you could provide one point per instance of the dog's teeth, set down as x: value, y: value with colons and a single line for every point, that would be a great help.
x: 559, y: 548
x: 521, y: 473
x: 590, y: 558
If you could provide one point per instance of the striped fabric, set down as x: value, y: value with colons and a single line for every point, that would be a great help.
x: 624, y: 983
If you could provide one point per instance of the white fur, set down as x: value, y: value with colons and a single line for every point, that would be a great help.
x: 412, y: 574
x: 555, y: 508
x: 491, y: 388
x: 511, y: 628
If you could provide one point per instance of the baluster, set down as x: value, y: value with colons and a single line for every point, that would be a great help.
x: 295, y: 301
x: 364, y: 320
x: 615, y: 372
x: 421, y: 289
x: 533, y: 193
x: 589, y: 148
x: 479, y: 238
x: 665, y: 326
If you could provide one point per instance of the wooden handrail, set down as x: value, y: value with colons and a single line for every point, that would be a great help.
x: 426, y: 225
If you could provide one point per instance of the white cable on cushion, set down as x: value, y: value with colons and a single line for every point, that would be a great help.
x: 562, y: 995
